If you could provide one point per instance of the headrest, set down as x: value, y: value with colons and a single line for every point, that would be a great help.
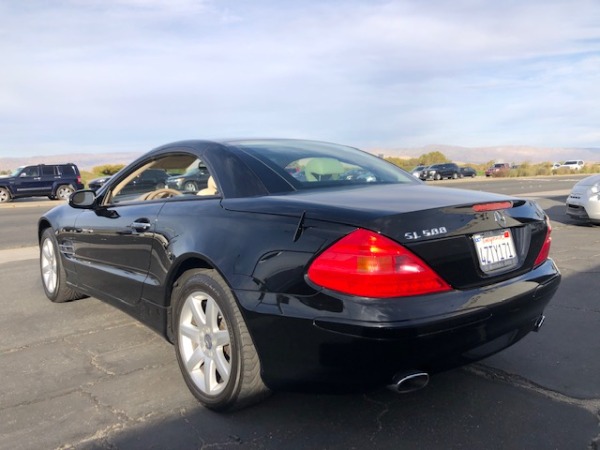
x: 210, y: 184
x: 318, y: 167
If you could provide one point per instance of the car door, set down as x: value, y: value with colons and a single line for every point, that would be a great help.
x: 112, y: 247
x: 29, y: 181
x: 49, y: 175
x: 113, y: 242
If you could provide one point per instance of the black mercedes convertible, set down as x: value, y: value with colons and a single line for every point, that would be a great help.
x: 302, y: 265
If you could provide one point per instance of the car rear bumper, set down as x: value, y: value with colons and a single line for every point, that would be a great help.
x: 336, y: 349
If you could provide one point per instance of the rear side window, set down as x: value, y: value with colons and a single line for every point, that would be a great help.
x: 308, y: 164
x: 67, y: 170
x: 49, y: 171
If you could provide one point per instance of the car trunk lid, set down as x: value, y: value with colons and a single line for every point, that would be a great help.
x: 443, y: 226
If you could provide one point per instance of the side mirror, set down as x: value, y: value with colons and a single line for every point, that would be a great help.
x: 83, y: 199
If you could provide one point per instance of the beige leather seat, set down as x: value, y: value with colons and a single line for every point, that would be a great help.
x: 210, y: 189
x: 323, y: 169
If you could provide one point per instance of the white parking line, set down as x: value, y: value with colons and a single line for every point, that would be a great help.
x: 19, y: 254
x: 544, y: 194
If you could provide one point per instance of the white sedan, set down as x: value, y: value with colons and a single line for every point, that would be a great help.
x: 583, y: 202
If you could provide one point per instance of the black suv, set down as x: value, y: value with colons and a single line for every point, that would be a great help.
x: 193, y: 180
x: 439, y: 171
x: 150, y: 178
x: 56, y: 181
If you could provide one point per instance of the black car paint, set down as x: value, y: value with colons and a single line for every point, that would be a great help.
x: 468, y: 172
x: 439, y: 171
x: 262, y: 245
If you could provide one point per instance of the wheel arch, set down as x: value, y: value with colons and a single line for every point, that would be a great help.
x: 184, y: 264
x: 42, y: 226
x: 8, y: 188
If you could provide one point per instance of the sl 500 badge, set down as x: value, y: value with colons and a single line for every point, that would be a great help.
x: 425, y: 233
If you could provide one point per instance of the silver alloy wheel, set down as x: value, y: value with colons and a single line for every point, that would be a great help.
x: 4, y: 195
x: 204, y: 343
x: 190, y: 186
x: 63, y: 192
x: 49, y: 266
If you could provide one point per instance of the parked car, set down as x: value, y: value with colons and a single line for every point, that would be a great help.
x: 148, y: 179
x: 192, y: 180
x: 573, y: 164
x: 358, y: 175
x: 439, y: 171
x: 583, y: 203
x: 97, y: 183
x: 497, y: 170
x: 267, y: 281
x: 55, y: 181
x: 467, y: 172
x: 416, y: 172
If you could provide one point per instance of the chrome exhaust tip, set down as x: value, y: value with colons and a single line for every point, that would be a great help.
x: 538, y: 323
x: 405, y: 382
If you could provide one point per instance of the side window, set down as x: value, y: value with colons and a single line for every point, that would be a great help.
x: 48, y: 171
x: 31, y: 171
x: 67, y: 170
x: 169, y: 176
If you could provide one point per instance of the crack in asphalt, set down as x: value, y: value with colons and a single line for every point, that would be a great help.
x: 101, y: 438
x: 378, y: 418
x: 590, y: 405
x: 189, y: 425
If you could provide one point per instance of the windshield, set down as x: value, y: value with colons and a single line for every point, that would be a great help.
x: 17, y: 171
x: 308, y: 164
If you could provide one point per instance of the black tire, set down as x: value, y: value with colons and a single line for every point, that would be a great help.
x: 5, y: 195
x: 219, y: 347
x: 64, y: 191
x: 437, y: 176
x: 54, y: 279
x: 455, y: 176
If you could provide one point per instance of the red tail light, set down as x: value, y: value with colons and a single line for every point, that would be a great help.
x: 495, y: 206
x: 545, y: 251
x: 367, y: 264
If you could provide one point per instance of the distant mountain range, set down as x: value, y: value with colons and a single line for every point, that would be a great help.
x: 477, y: 155
x: 510, y: 154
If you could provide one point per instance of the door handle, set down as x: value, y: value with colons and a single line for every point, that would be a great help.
x: 141, y: 225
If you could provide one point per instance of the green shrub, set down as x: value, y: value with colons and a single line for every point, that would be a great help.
x: 108, y: 169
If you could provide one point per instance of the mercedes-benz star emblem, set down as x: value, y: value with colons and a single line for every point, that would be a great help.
x: 500, y: 218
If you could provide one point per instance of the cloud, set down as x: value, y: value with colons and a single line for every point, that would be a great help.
x: 132, y: 74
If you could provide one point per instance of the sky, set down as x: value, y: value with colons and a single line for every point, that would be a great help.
x: 86, y: 76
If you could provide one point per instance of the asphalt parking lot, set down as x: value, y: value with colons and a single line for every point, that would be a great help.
x: 84, y: 375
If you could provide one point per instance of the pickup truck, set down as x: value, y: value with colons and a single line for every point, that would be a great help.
x: 498, y: 169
